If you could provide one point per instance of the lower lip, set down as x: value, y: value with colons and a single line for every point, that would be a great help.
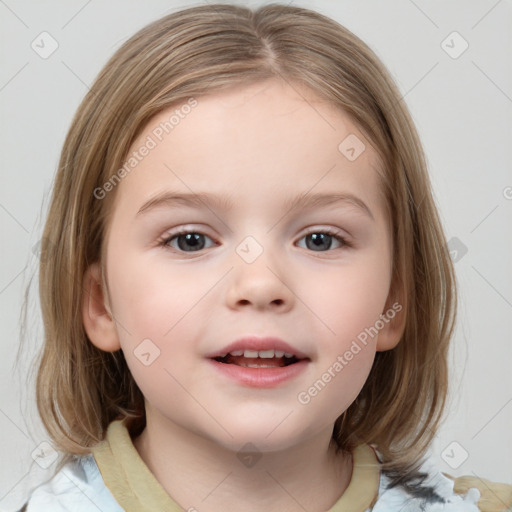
x: 261, y: 377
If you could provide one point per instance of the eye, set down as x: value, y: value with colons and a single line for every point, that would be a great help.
x: 185, y: 240
x: 322, y: 239
x: 194, y: 241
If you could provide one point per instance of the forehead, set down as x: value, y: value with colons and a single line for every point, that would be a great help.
x: 263, y: 140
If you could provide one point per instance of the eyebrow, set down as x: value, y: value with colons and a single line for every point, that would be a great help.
x: 172, y: 199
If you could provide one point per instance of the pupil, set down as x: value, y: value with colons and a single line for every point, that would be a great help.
x: 192, y: 240
x: 318, y: 242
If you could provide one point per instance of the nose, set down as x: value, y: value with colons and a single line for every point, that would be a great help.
x: 261, y: 284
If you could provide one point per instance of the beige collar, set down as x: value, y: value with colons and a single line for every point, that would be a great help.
x: 136, y: 489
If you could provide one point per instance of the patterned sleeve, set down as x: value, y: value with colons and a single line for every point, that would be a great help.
x: 434, y: 491
x: 495, y: 496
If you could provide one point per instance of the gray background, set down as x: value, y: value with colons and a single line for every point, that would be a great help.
x: 463, y: 110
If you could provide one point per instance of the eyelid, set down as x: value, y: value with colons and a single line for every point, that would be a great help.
x: 183, y: 230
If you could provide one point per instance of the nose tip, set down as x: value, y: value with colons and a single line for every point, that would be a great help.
x: 257, y: 284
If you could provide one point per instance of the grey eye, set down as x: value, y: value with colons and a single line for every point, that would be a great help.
x: 320, y: 241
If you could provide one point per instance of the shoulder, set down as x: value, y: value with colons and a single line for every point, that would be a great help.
x: 78, y: 486
x: 438, y: 492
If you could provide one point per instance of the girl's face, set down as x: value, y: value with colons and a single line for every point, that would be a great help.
x: 257, y: 262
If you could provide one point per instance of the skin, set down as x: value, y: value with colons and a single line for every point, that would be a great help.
x: 261, y: 144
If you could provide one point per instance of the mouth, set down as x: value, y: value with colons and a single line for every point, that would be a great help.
x: 259, y: 358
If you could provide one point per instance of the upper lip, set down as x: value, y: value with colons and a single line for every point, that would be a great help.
x: 258, y: 343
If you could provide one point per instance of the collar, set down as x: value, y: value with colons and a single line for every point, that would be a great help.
x: 136, y: 489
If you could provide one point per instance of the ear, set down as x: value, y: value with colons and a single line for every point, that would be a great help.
x: 395, y: 314
x: 98, y: 322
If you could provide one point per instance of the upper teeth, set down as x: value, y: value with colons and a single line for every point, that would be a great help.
x: 266, y: 354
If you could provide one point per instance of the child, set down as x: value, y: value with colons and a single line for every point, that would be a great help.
x: 257, y: 369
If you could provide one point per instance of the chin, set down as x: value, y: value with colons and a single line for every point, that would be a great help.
x: 267, y: 436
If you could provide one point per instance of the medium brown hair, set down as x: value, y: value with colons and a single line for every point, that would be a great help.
x: 80, y: 388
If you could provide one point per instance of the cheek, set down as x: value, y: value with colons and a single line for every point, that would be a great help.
x: 337, y: 383
x: 149, y: 300
x: 348, y: 302
x: 158, y: 381
x: 350, y: 299
x: 157, y: 317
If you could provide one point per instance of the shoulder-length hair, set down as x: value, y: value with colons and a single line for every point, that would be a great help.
x: 81, y: 389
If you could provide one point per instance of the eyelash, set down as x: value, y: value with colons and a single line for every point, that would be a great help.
x: 164, y: 242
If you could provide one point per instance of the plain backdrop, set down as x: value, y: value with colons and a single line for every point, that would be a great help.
x: 452, y: 63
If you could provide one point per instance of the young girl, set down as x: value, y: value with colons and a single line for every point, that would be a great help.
x: 246, y: 291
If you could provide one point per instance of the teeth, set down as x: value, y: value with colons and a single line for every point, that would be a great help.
x: 264, y: 354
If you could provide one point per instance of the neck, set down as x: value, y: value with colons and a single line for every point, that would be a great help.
x: 200, y: 474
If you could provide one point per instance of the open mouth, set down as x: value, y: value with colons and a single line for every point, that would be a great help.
x: 258, y: 359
